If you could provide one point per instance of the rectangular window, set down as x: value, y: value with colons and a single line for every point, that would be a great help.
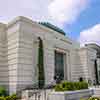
x: 59, y: 65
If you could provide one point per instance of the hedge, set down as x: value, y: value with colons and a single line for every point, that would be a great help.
x: 12, y: 97
x: 3, y: 91
x: 92, y: 98
x: 71, y: 86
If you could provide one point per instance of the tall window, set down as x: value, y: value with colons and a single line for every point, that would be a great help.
x: 59, y: 65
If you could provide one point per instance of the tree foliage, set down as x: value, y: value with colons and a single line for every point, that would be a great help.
x: 41, y: 75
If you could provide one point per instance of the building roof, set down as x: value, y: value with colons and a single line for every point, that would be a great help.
x: 53, y: 27
x: 94, y: 46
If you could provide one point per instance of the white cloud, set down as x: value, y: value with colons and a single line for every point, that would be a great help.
x: 55, y: 11
x: 91, y: 35
x: 67, y: 11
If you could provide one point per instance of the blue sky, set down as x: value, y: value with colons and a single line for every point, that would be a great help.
x: 80, y: 19
x: 88, y: 18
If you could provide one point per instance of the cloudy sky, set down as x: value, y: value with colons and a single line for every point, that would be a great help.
x: 80, y: 19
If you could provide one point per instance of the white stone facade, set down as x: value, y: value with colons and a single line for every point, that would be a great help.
x: 83, y: 64
x: 19, y: 55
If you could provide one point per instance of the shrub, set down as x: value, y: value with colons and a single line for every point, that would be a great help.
x: 76, y: 85
x: 3, y: 91
x: 80, y: 85
x: 8, y: 98
x: 71, y: 86
x: 2, y: 98
x: 83, y: 85
x: 12, y: 97
x: 67, y: 85
x: 58, y: 87
x: 94, y: 98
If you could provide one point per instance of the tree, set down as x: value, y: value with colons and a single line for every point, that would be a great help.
x: 41, y: 75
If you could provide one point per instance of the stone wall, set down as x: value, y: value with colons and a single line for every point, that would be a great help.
x: 13, y: 44
x: 50, y: 94
x: 4, y: 75
x: 71, y: 95
x: 83, y: 64
x: 36, y: 94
